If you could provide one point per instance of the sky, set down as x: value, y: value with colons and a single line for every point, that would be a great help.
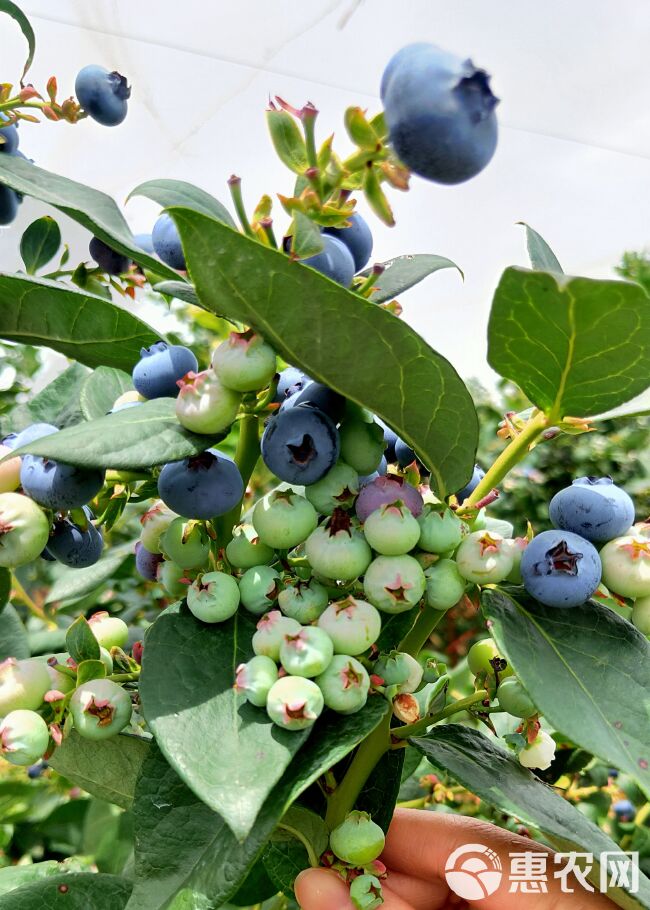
x: 573, y: 158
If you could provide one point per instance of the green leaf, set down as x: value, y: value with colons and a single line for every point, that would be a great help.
x: 73, y: 584
x: 80, y: 325
x: 101, y: 389
x: 394, y: 628
x: 129, y: 440
x: 57, y: 403
x: 317, y: 325
x: 256, y: 888
x: 6, y: 6
x: 575, y: 346
x: 5, y: 587
x: 207, y: 862
x: 193, y: 710
x: 283, y: 861
x: 169, y: 193
x: 380, y: 791
x: 13, y: 635
x: 12, y: 877
x: 71, y: 892
x: 484, y: 768
x: 90, y: 669
x: 106, y: 769
x: 40, y: 243
x: 404, y: 272
x: 288, y: 141
x: 181, y: 290
x: 542, y: 258
x: 586, y: 669
x: 80, y: 642
x: 306, y: 239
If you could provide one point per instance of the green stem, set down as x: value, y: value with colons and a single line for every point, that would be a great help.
x: 22, y: 595
x: 421, y: 631
x: 234, y: 183
x: 248, y: 450
x: 125, y: 677
x: 313, y: 859
x: 513, y: 453
x: 420, y: 726
x: 413, y: 803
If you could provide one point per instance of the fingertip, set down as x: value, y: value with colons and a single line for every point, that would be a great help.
x: 321, y: 889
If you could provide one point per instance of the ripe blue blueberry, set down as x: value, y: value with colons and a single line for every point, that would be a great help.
x: 385, y: 490
x: 318, y: 396
x: 255, y: 678
x: 440, y: 113
x: 9, y: 203
x: 477, y: 476
x: 144, y: 242
x: 294, y: 703
x: 103, y: 95
x: 334, y: 261
x: 259, y: 588
x: 59, y: 486
x: 246, y: 550
x: 290, y: 381
x: 30, y: 434
x: 167, y: 243
x: 202, y: 486
x: 624, y: 810
x: 352, y: 624
x: 73, y: 545
x: 303, y: 601
x: 336, y: 490
x: 357, y: 237
x: 404, y: 454
x: 300, y: 445
x: 394, y: 584
x: 337, y: 549
x: 594, y: 508
x: 23, y: 737
x: 560, y: 569
x: 272, y: 629
x: 345, y: 684
x: 160, y: 367
x: 213, y: 597
x: 147, y: 564
x: 108, y: 259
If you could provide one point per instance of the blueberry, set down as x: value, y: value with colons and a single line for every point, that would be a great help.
x: 385, y: 490
x: 626, y: 565
x: 307, y: 652
x: 75, y: 546
x: 441, y: 530
x: 345, y: 684
x: 258, y: 589
x: 146, y: 563
x: 283, y: 519
x: 357, y: 238
x: 624, y: 810
x: 59, y: 486
x: 440, y: 113
x: 109, y: 260
x: 392, y: 530
x: 334, y: 261
x: 400, y: 669
x: 272, y: 629
x: 255, y: 678
x: 30, y: 434
x: 485, y: 557
x: 110, y: 631
x: 514, y: 699
x: 202, y: 486
x: 337, y: 489
x: 167, y: 243
x: 100, y: 709
x: 394, y: 584
x: 160, y: 367
x: 382, y: 470
x: 338, y: 549
x: 246, y: 550
x: 24, y: 530
x: 10, y: 136
x: 35, y: 771
x: 144, y: 242
x: 213, y: 597
x: 23, y: 737
x: 300, y: 445
x: 303, y: 601
x: 244, y: 362
x: 291, y: 380
x: 560, y: 569
x: 593, y: 507
x: 103, y: 95
x: 352, y: 624
x: 477, y: 476
x: 8, y: 204
x: 315, y: 395
x: 358, y: 840
x: 23, y: 683
x: 404, y: 454
x: 294, y: 703
x: 186, y: 543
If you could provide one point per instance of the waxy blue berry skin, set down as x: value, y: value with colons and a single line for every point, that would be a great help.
x: 477, y: 476
x: 146, y: 563
x: 357, y: 238
x: 160, y: 367
x: 74, y: 546
x: 404, y: 454
x: 440, y: 113
x: 300, y: 445
x: 560, y: 569
x: 144, y: 242
x: 316, y: 395
x: 167, y: 243
x: 594, y: 508
x: 290, y: 381
x: 335, y: 261
x: 624, y: 810
x: 29, y: 434
x: 58, y: 486
x: 109, y: 260
x: 9, y: 203
x: 103, y: 95
x: 202, y: 486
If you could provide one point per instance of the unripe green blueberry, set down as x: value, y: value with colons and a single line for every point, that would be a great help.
x: 641, y: 614
x: 484, y: 558
x: 284, y: 519
x: 100, y: 709
x: 337, y: 549
x: 213, y: 597
x: 294, y: 702
x: 362, y: 445
x: 394, y: 584
x: 272, y: 629
x: 353, y: 625
x: 9, y: 471
x: 259, y: 588
x: 246, y: 550
x: 392, y: 529
x: 499, y: 526
x: 358, y: 840
x: 303, y: 600
x: 155, y: 522
x: 61, y: 682
x: 106, y: 659
x: 445, y: 585
x: 365, y: 892
x: 255, y: 679
x: 204, y: 404
x: 514, y: 699
x: 626, y: 565
x: 345, y: 684
x: 186, y: 543
x: 336, y: 490
x: 24, y: 530
x: 538, y: 754
x: 441, y: 530
x: 23, y: 737
x: 23, y: 683
x: 244, y: 362
x: 173, y: 578
x: 306, y: 653
x: 640, y: 529
x: 517, y: 547
x: 480, y: 655
x: 401, y: 670
x: 110, y: 631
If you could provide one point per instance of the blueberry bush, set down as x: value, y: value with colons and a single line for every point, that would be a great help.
x: 225, y: 568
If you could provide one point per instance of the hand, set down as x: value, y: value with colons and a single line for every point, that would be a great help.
x: 417, y: 847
